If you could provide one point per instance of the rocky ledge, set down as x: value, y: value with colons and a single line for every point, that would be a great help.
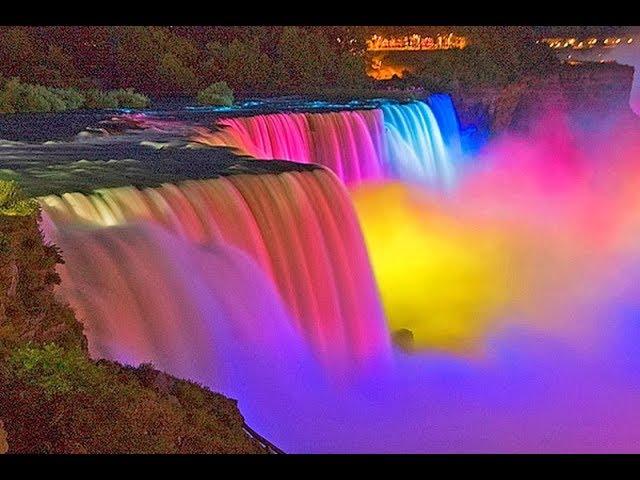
x: 585, y: 91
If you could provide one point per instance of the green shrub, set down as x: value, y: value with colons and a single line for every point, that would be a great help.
x: 33, y: 99
x: 217, y: 93
x: 72, y: 97
x: 16, y: 97
x: 10, y: 96
x: 41, y: 99
x: 13, y: 202
x: 129, y: 99
x: 55, y: 370
x: 97, y: 99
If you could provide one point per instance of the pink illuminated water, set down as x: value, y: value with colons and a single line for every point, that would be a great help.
x: 351, y: 144
x: 299, y: 229
x: 401, y: 141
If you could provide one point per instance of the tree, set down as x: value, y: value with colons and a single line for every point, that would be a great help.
x: 137, y: 57
x: 217, y: 93
x: 10, y: 96
x: 305, y: 58
x: 247, y: 68
x: 59, y: 68
x: 213, y: 66
x: 351, y: 70
x: 175, y: 76
x: 18, y: 52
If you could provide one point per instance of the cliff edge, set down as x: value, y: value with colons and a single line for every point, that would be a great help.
x: 55, y: 399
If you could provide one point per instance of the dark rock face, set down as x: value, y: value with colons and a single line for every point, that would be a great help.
x: 488, y: 108
x: 598, y: 88
x: 585, y: 91
x: 29, y: 310
x: 403, y: 339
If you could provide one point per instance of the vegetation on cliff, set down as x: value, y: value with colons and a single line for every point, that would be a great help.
x: 29, y: 311
x: 55, y: 399
x: 495, y: 58
x: 102, y: 407
x: 13, y: 202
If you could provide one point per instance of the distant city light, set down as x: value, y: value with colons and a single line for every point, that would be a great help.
x: 379, y: 43
x: 562, y: 42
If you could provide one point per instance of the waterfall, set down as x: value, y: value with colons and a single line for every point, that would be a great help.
x: 145, y: 295
x: 445, y: 113
x: 414, y: 141
x: 299, y: 228
x: 416, y: 149
x: 351, y: 144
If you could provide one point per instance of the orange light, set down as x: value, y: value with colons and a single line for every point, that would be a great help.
x: 415, y: 42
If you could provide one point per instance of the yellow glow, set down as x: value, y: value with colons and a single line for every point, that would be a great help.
x: 452, y: 275
x: 576, y: 44
x: 440, y: 278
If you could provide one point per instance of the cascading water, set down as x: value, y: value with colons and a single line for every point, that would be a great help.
x: 146, y: 295
x: 243, y: 282
x: 415, y: 141
x: 445, y: 112
x: 349, y: 143
x: 415, y: 148
x: 299, y: 228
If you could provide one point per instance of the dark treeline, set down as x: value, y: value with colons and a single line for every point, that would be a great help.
x: 489, y: 60
x: 162, y: 61
x: 202, y: 62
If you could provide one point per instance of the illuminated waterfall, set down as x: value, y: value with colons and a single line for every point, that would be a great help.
x: 415, y: 148
x: 445, y: 113
x: 145, y: 295
x: 403, y: 141
x: 522, y: 285
x: 298, y: 227
x: 351, y: 144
